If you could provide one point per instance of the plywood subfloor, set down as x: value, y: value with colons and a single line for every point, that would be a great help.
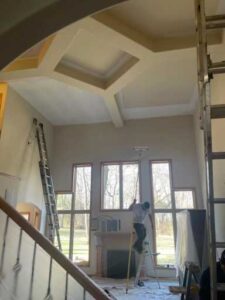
x: 150, y: 290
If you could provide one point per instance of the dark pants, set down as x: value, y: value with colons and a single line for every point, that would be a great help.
x: 141, y: 234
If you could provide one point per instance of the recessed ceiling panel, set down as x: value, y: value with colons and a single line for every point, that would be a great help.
x: 160, y: 18
x: 61, y: 104
x: 168, y: 81
x: 94, y: 56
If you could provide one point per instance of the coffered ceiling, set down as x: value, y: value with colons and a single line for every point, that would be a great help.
x: 136, y: 60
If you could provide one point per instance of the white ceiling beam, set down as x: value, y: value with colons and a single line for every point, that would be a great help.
x: 104, y: 31
x: 76, y: 82
x: 59, y: 46
x: 113, y: 110
x: 109, y: 99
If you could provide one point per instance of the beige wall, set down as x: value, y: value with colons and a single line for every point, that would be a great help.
x: 18, y: 159
x: 167, y: 138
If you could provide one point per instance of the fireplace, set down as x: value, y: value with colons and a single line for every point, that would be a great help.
x: 117, y: 262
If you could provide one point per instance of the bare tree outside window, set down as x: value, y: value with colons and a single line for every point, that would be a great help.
x: 167, y: 203
x: 130, y: 184
x: 111, y: 186
x: 184, y: 199
x: 64, y: 231
x: 165, y: 239
x: 64, y: 201
x: 74, y: 216
x: 83, y: 188
x: 120, y: 185
x: 161, y: 185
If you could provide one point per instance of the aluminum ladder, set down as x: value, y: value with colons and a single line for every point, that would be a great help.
x: 48, y: 187
x: 206, y: 70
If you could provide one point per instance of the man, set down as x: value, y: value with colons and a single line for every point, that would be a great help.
x: 204, y: 293
x: 140, y: 211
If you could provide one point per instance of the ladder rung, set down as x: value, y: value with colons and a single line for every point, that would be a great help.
x: 219, y: 200
x: 216, y: 21
x: 217, y: 68
x: 220, y: 244
x: 218, y: 111
x: 215, y: 25
x: 221, y: 286
x: 215, y: 18
x: 217, y: 155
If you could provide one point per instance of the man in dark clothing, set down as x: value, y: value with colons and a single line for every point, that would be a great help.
x: 204, y: 293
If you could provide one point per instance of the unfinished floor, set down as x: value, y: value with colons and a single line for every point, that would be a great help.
x: 150, y: 290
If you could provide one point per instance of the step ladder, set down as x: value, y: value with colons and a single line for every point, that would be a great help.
x: 48, y: 187
x: 146, y: 253
x: 206, y: 71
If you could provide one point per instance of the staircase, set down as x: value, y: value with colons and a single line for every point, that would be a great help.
x: 31, y: 268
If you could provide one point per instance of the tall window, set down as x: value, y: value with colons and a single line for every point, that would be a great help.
x: 74, y: 216
x: 167, y: 202
x: 120, y: 184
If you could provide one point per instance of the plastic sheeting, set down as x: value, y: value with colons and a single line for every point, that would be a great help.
x: 191, y: 241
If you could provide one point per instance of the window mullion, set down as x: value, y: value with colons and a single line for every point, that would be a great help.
x: 72, y: 214
x: 121, y: 185
x: 173, y: 206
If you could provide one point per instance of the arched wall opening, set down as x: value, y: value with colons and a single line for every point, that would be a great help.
x: 24, y: 26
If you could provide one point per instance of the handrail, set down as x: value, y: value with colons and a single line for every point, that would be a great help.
x: 79, y: 275
x: 9, y: 176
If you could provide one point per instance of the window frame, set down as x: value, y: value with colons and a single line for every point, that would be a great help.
x: 72, y: 212
x: 173, y: 210
x: 120, y: 163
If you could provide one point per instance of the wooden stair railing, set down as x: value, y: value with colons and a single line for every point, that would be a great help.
x: 74, y: 271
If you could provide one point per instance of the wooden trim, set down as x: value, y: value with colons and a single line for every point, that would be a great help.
x: 3, y: 94
x: 22, y: 63
x: 44, y: 48
x: 80, y: 276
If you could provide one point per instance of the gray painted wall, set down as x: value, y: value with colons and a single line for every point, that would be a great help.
x: 168, y: 138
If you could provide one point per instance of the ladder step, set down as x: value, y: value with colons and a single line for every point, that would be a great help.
x: 220, y: 244
x: 221, y: 287
x: 219, y: 200
x: 215, y: 18
x: 216, y: 68
x: 217, y: 155
x: 215, y: 25
x: 216, y: 21
x: 218, y: 111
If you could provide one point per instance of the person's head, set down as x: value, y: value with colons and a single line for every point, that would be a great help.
x: 146, y: 205
x: 222, y: 261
